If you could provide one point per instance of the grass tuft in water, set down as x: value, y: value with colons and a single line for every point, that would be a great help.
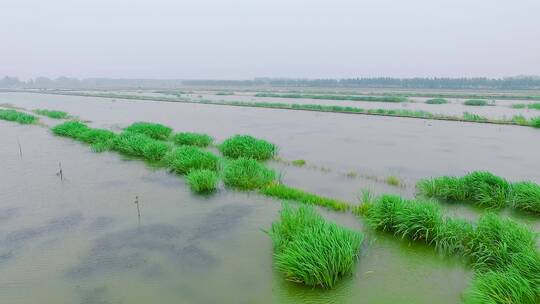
x: 500, y: 287
x: 202, y: 181
x: 71, y: 129
x: 525, y: 196
x: 16, y: 116
x: 152, y: 130
x: 393, y: 181
x: 436, y: 101
x: 480, y: 188
x: 311, y: 251
x: 298, y: 162
x: 535, y: 122
x: 497, y: 241
x: 52, y: 113
x: 284, y: 192
x: 411, y: 219
x: 192, y: 139
x: 475, y: 102
x: 135, y: 144
x: 247, y: 174
x: 186, y: 158
x: 247, y: 146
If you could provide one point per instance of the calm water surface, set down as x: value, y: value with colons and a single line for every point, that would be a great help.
x: 79, y: 240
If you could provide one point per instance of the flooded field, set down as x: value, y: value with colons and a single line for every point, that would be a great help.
x: 80, y: 240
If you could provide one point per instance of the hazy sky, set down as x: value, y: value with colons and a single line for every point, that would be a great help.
x: 279, y: 38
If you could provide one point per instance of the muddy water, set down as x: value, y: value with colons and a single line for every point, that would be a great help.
x: 79, y: 240
x: 500, y: 110
x: 367, y: 145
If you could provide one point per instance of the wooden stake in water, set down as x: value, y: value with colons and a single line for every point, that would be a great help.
x: 138, y: 210
x: 20, y: 148
x: 60, y: 173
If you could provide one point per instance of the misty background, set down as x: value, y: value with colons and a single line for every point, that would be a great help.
x: 242, y: 39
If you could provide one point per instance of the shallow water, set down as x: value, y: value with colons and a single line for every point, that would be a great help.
x: 368, y: 145
x: 80, y: 241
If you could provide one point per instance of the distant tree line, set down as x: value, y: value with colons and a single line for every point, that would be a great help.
x: 509, y: 83
x: 520, y: 82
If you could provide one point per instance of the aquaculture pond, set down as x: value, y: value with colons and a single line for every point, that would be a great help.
x: 495, y: 108
x: 76, y: 237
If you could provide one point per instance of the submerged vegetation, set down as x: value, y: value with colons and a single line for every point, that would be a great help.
x: 186, y: 158
x: 312, y: 251
x: 502, y: 252
x: 480, y: 188
x: 483, y: 189
x: 192, y: 139
x: 202, y: 181
x: 247, y: 174
x: 393, y: 181
x: 475, y: 102
x: 534, y: 106
x: 16, y: 116
x: 153, y: 130
x: 299, y: 162
x: 474, y: 117
x: 247, y: 146
x: 335, y: 97
x: 436, y: 101
x: 284, y: 192
x: 320, y: 108
x: 525, y: 196
x: 52, y: 113
x: 535, y: 122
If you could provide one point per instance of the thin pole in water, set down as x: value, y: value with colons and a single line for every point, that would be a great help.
x: 138, y: 209
x: 20, y: 148
x: 60, y: 173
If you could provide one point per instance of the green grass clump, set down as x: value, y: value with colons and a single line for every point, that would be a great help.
x: 520, y: 120
x: 436, y: 101
x: 485, y: 189
x: 247, y: 174
x: 130, y: 143
x: 475, y: 102
x: 71, y: 129
x: 481, y: 188
x: 99, y: 139
x: 155, y: 150
x: 52, y: 113
x: 503, y: 252
x: 393, y: 181
x: 298, y: 162
x: 312, y: 251
x: 186, y: 158
x: 192, y: 139
x: 247, y: 146
x: 500, y: 287
x: 526, y: 196
x: 535, y: 122
x: 281, y: 191
x: 497, y: 241
x: 16, y: 116
x: 412, y: 219
x: 473, y: 117
x: 202, y: 181
x: 519, y: 106
x: 535, y: 106
x: 93, y: 136
x: 152, y: 130
x: 139, y: 145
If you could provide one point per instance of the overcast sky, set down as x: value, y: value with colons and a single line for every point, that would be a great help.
x: 241, y: 39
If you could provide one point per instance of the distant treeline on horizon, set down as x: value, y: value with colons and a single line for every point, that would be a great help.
x: 509, y: 83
